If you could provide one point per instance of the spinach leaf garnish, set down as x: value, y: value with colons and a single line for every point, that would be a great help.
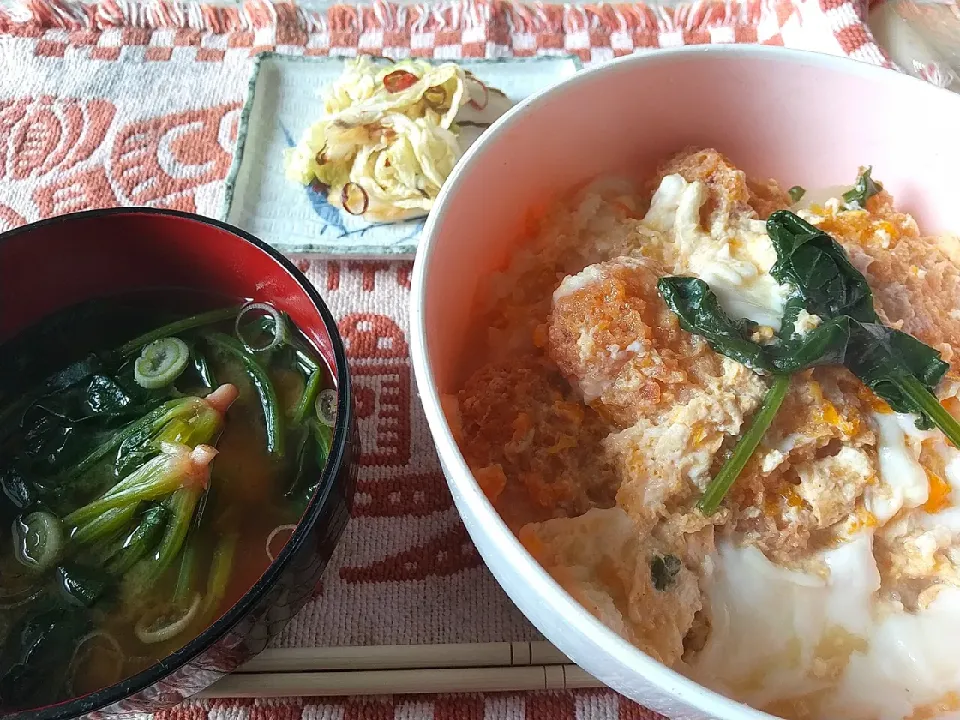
x: 864, y: 189
x: 827, y: 283
x: 903, y: 371
x: 826, y: 344
x: 698, y: 310
x: 900, y: 369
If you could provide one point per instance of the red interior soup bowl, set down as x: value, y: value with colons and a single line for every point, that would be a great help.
x: 211, y: 601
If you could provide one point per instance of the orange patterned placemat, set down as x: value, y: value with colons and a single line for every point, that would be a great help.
x: 120, y: 103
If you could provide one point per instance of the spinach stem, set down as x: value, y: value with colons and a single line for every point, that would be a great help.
x: 218, y: 577
x: 203, y: 369
x: 158, y: 478
x: 105, y: 526
x: 272, y: 416
x: 152, y: 422
x: 718, y: 487
x: 184, y: 586
x: 910, y: 386
x: 179, y: 326
x: 181, y: 506
x: 140, y: 541
x: 305, y: 363
x: 309, y: 396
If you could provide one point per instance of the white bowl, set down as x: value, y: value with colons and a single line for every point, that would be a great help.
x: 800, y: 117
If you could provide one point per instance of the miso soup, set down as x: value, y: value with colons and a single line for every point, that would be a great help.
x: 156, y: 449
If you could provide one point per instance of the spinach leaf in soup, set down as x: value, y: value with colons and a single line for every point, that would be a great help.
x: 36, y: 653
x: 82, y: 585
x: 17, y: 492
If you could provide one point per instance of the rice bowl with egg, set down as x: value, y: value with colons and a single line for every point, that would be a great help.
x: 750, y: 102
x: 825, y: 584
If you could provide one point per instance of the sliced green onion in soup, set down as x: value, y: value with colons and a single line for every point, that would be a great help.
x: 276, y: 327
x: 160, y: 363
x: 38, y: 540
x: 11, y: 600
x: 89, y: 655
x: 326, y: 407
x: 280, y: 529
x: 166, y: 625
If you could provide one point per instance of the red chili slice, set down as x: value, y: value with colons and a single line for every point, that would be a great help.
x: 399, y: 80
x: 352, y: 191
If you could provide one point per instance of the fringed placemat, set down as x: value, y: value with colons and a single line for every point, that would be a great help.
x: 117, y: 103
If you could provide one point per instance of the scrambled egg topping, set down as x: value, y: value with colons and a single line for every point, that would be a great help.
x: 595, y: 423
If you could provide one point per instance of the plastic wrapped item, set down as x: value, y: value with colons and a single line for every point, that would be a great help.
x: 922, y: 38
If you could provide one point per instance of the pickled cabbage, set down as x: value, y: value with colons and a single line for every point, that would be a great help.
x: 388, y: 139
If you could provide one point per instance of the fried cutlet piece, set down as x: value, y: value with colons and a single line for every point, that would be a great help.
x: 812, y: 468
x: 918, y: 556
x: 519, y: 419
x: 678, y: 403
x: 729, y: 191
x: 675, y: 399
x: 614, y: 338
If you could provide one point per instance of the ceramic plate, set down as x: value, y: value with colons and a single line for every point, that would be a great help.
x: 285, y: 98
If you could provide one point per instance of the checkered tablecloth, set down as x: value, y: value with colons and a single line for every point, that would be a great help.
x: 122, y: 103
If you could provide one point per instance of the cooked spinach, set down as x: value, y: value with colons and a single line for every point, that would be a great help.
x: 123, y: 555
x: 721, y: 483
x: 260, y: 379
x: 664, y: 570
x: 110, y: 471
x: 699, y: 312
x: 34, y: 656
x: 313, y: 448
x: 828, y: 285
x: 202, y: 368
x: 19, y: 493
x: 82, y: 585
x: 900, y: 369
x: 826, y: 344
x: 796, y: 193
x: 864, y: 189
x: 903, y: 371
x: 811, y: 261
